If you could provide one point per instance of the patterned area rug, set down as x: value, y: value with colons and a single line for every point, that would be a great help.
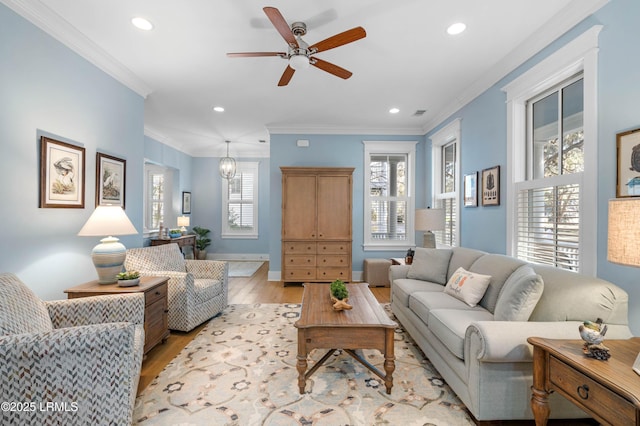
x: 243, y: 269
x: 241, y: 370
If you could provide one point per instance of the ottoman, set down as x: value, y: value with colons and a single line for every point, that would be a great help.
x: 376, y: 272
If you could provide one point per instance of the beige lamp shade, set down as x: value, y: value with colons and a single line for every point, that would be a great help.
x: 108, y: 256
x: 623, y: 242
x: 429, y: 220
x: 183, y: 220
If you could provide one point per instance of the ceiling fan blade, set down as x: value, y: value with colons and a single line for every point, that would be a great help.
x: 281, y: 25
x: 254, y: 54
x: 286, y: 76
x: 331, y: 68
x: 339, y: 39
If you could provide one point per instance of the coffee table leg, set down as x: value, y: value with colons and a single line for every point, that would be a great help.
x: 301, y: 364
x: 389, y: 363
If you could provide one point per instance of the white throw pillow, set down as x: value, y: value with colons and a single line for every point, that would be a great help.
x: 430, y: 265
x: 519, y: 295
x: 467, y: 286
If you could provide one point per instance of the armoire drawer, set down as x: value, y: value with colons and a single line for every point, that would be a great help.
x: 299, y: 247
x: 333, y: 260
x: 299, y: 274
x: 331, y: 274
x: 333, y: 247
x: 299, y: 260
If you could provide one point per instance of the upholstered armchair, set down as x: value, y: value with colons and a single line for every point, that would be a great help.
x: 68, y: 362
x: 197, y: 289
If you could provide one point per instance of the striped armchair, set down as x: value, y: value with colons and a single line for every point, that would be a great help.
x: 68, y: 362
x: 197, y: 289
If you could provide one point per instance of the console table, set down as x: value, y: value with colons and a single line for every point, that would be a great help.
x: 608, y: 390
x: 185, y: 240
x: 156, y: 327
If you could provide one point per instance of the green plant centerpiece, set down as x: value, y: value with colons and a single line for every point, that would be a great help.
x: 128, y: 278
x: 202, y: 240
x: 175, y: 233
x: 339, y: 295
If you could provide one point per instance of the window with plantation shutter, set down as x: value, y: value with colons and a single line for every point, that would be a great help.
x: 157, y: 196
x: 445, y: 153
x: 240, y: 206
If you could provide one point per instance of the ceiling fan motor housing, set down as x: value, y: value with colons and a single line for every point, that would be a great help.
x: 299, y: 29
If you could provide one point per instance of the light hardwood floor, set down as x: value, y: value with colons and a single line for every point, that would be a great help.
x: 255, y: 289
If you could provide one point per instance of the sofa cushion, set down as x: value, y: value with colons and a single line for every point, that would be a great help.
x: 519, y: 295
x: 500, y: 267
x: 21, y: 311
x: 450, y: 326
x: 422, y: 302
x: 467, y: 286
x: 430, y: 265
x: 464, y: 257
x: 206, y: 289
x: 402, y: 288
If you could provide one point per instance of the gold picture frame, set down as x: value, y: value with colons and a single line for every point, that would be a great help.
x: 62, y: 174
x: 628, y: 161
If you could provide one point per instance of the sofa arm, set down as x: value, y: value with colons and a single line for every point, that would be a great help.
x: 398, y: 271
x: 215, y: 269
x: 89, y: 369
x: 97, y: 310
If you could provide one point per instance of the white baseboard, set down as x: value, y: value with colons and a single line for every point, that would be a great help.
x: 277, y: 276
x: 238, y: 256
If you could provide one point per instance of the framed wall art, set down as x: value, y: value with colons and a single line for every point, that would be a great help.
x: 110, y: 180
x: 471, y: 190
x: 491, y: 186
x: 628, y: 180
x: 186, y: 202
x: 61, y: 174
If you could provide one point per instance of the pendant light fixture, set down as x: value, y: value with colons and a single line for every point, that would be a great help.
x: 227, y: 165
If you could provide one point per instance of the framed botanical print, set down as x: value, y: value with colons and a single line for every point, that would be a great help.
x: 471, y: 190
x: 628, y: 176
x: 491, y: 186
x: 110, y: 180
x: 61, y: 174
x: 186, y: 202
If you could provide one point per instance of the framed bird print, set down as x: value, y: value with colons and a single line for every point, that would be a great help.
x: 110, y: 180
x: 628, y: 176
x: 491, y: 186
x: 61, y: 174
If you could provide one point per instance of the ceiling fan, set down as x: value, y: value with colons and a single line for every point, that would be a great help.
x: 299, y: 53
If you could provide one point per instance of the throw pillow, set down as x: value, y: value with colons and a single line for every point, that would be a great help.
x: 430, y: 265
x: 519, y: 295
x: 467, y: 286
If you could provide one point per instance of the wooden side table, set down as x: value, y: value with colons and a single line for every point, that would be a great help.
x: 156, y: 327
x: 608, y: 390
x: 185, y: 240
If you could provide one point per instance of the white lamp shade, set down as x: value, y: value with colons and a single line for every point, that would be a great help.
x: 429, y: 219
x: 108, y: 256
x: 623, y: 242
x: 183, y: 220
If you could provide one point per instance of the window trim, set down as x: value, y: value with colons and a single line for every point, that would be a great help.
x: 407, y: 148
x: 578, y: 56
x: 445, y: 136
x: 228, y: 233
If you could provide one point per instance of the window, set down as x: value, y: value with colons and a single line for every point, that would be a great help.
x: 552, y: 150
x: 157, y: 196
x: 389, y: 199
x: 446, y: 180
x: 240, y: 202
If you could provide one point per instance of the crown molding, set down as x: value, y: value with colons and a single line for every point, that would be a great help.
x: 292, y: 130
x: 50, y: 22
x: 563, y: 21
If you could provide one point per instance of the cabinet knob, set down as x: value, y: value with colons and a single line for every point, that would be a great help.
x: 157, y: 293
x: 324, y: 260
x: 166, y: 311
x: 583, y: 391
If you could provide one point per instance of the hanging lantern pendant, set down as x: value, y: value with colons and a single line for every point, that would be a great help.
x: 227, y: 165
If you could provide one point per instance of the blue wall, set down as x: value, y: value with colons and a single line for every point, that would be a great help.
x: 332, y: 151
x: 484, y: 139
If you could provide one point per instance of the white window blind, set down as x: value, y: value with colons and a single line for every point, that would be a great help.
x: 240, y: 217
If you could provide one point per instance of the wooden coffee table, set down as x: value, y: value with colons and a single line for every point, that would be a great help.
x: 366, y: 326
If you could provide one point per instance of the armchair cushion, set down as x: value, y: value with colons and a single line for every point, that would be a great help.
x: 21, y: 311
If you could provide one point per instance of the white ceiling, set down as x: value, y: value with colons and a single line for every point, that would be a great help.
x: 406, y: 61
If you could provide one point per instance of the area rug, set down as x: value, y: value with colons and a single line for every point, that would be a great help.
x: 241, y: 370
x: 243, y: 269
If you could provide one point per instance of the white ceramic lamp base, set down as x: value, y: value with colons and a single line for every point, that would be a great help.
x: 108, y: 258
x: 429, y: 240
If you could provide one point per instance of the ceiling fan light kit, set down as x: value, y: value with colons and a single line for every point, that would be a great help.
x: 299, y: 52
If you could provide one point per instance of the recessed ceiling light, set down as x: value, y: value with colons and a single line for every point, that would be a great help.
x: 394, y: 111
x: 218, y: 109
x: 142, y: 23
x: 456, y: 28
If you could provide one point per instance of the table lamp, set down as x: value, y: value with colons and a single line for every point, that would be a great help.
x: 183, y: 222
x: 108, y: 256
x: 429, y: 220
x: 623, y: 241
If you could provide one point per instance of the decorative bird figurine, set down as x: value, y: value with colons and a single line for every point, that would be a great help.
x: 593, y: 335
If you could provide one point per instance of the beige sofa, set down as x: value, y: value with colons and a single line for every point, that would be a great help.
x: 481, y: 351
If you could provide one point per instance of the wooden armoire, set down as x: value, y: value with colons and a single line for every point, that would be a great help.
x: 316, y: 223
